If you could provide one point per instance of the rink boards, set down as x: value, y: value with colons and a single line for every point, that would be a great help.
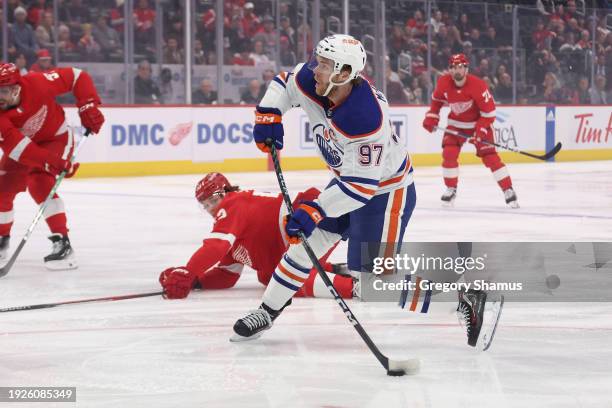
x: 181, y: 139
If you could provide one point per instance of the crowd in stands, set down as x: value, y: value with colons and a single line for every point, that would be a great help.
x: 555, y: 43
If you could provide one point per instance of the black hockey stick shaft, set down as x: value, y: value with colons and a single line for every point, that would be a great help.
x: 7, y: 267
x: 73, y: 302
x: 313, y: 258
x: 544, y: 157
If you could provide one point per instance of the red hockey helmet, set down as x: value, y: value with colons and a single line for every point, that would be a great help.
x: 458, y: 59
x: 9, y: 74
x: 210, y: 185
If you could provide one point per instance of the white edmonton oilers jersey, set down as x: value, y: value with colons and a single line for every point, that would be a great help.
x: 355, y: 139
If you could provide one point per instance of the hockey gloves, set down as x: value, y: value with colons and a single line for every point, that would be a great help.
x: 431, y: 121
x: 91, y: 117
x: 306, y: 218
x: 268, y: 128
x: 55, y: 165
x: 481, y: 132
x: 177, y: 282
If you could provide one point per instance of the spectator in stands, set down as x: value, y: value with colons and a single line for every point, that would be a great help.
x: 172, y: 53
x: 258, y: 55
x: 541, y: 36
x: 475, y: 39
x: 64, y: 41
x: 417, y: 23
x: 570, y: 43
x: 267, y: 76
x: 267, y: 35
x: 464, y: 26
x: 204, y: 95
x: 503, y: 90
x: 552, y: 93
x: 436, y: 21
x: 253, y: 93
x: 483, y: 69
x: 244, y: 57
x: 117, y: 21
x: 35, y: 12
x: 106, y: 36
x: 599, y: 95
x: 146, y: 91
x: 287, y: 56
x: 235, y: 33
x: 21, y: 62
x: 581, y: 96
x: 585, y: 40
x: 287, y: 31
x: 250, y: 22
x: 199, y: 58
x: 144, y: 31
x: 23, y: 35
x: 395, y: 89
x: 43, y: 63
x: 165, y: 85
x: 602, y: 68
x: 45, y: 32
x: 87, y: 46
x: 75, y: 15
x: 489, y: 39
x: 468, y: 51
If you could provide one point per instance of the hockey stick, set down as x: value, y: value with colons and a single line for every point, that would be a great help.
x: 72, y: 302
x: 393, y: 367
x: 544, y: 157
x: 7, y: 267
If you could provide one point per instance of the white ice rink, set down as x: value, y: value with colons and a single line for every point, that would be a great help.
x: 157, y: 353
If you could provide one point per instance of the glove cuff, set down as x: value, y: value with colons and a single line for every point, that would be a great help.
x: 267, y: 116
x: 85, y: 104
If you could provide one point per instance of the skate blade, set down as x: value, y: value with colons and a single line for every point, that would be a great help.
x: 62, y: 265
x: 491, y: 319
x: 236, y: 338
x: 448, y: 204
x: 513, y: 204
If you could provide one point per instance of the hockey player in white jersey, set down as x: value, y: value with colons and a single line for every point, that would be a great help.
x: 371, y: 196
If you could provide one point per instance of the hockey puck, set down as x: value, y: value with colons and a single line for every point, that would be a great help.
x: 553, y: 282
x: 396, y: 373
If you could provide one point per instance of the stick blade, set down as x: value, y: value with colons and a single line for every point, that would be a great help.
x: 409, y: 367
x: 553, y: 152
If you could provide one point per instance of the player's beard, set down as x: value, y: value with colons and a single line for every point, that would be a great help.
x: 458, y: 77
x: 10, y: 100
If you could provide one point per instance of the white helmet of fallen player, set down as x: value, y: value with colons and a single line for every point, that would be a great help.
x: 343, y: 50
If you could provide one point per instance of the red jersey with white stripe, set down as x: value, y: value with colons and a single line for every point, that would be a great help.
x: 468, y: 104
x: 247, y: 231
x: 38, y: 116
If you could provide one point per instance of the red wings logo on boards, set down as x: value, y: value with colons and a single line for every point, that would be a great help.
x: 586, y: 133
x: 179, y: 132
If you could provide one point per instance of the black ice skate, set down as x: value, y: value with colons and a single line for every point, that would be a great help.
x: 4, y: 246
x: 62, y: 254
x: 255, y: 323
x: 479, y: 317
x: 448, y: 198
x: 511, y: 199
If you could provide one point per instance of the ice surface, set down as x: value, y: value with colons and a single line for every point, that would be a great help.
x: 152, y: 352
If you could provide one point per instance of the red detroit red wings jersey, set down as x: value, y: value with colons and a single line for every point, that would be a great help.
x: 469, y: 103
x: 250, y: 222
x: 38, y: 116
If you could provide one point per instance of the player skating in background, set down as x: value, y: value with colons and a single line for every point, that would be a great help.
x: 247, y: 231
x: 371, y: 196
x: 472, y: 112
x: 37, y: 146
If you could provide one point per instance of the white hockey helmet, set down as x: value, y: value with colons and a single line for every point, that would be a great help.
x: 342, y: 50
